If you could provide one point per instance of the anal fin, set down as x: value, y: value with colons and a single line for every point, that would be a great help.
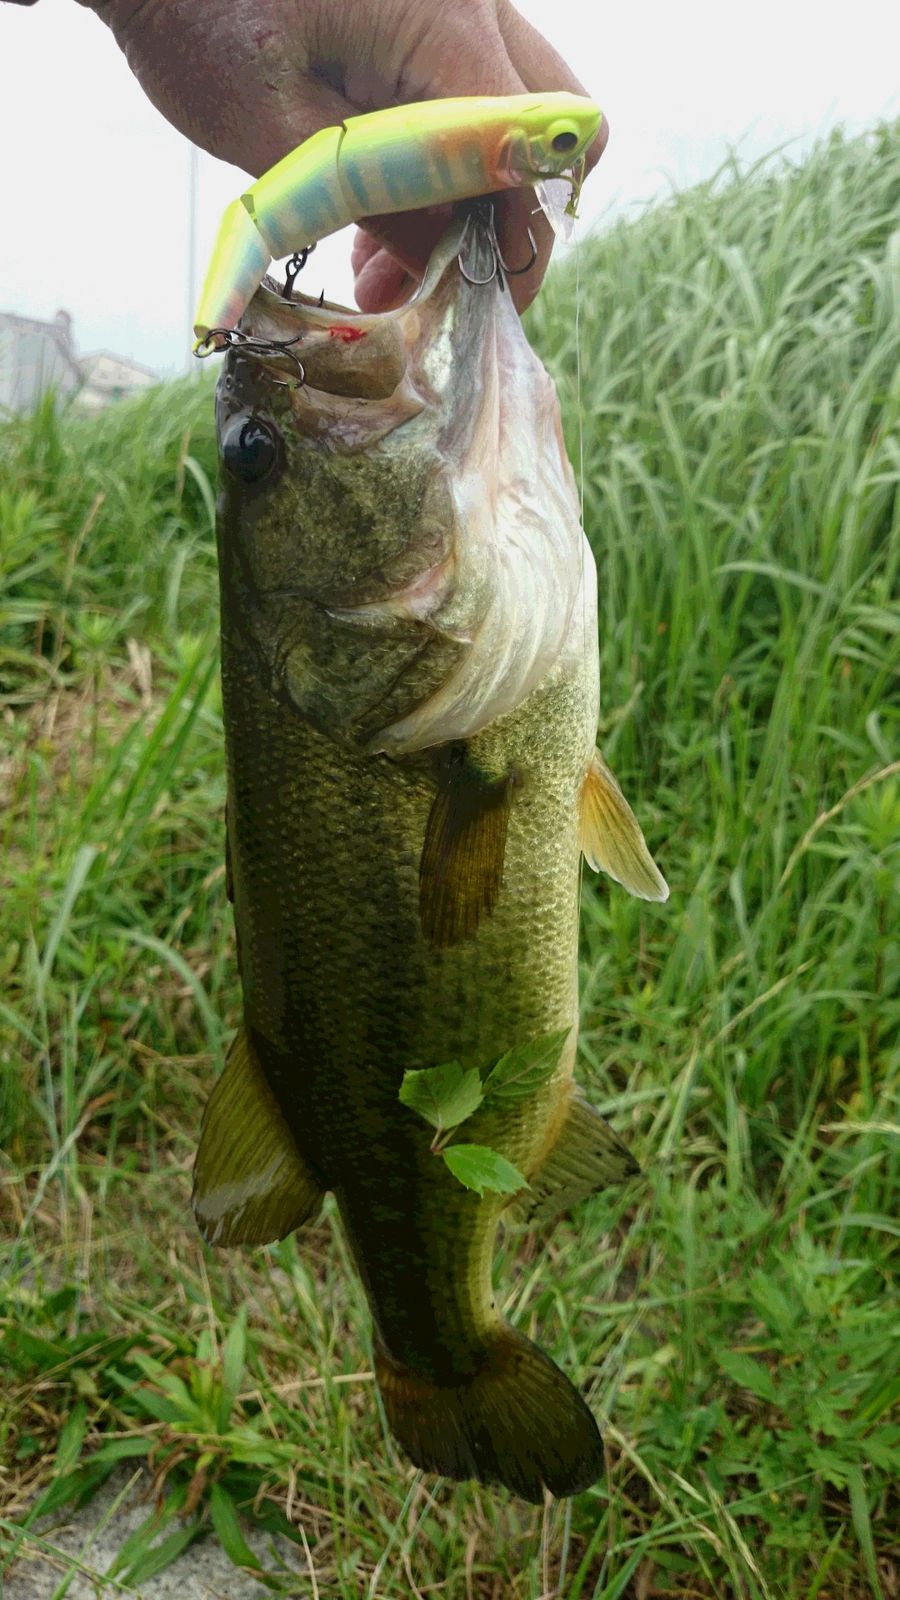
x: 611, y: 836
x: 250, y: 1183
x: 588, y: 1156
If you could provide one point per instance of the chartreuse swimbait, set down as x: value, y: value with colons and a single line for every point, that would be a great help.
x: 398, y: 159
x: 410, y: 699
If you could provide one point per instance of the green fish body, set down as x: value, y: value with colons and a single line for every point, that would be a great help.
x: 410, y: 685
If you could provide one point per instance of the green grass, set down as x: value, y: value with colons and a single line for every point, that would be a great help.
x: 734, y: 1317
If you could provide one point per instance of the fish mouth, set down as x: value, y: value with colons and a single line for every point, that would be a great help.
x: 354, y: 354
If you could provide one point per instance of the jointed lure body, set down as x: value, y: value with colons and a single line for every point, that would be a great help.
x: 399, y: 159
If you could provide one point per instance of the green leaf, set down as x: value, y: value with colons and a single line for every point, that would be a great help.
x: 881, y: 1397
x: 234, y: 1353
x: 621, y: 1579
x: 136, y: 1559
x: 882, y: 1449
x: 119, y: 1450
x: 748, y: 1373
x: 225, y: 1521
x: 27, y: 1351
x: 862, y: 1526
x: 71, y: 1439
x: 155, y: 1558
x: 56, y: 1305
x: 161, y: 1409
x: 76, y: 1484
x: 480, y: 1168
x: 445, y: 1096
x: 524, y: 1068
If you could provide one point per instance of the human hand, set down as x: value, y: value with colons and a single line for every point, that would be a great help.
x: 248, y: 80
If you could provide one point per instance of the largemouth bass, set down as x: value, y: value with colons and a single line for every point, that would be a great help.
x: 410, y: 684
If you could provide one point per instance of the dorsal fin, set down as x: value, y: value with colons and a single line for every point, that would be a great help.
x: 461, y: 868
x: 250, y: 1184
x: 611, y: 836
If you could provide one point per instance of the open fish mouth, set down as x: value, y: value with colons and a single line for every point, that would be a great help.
x: 340, y: 351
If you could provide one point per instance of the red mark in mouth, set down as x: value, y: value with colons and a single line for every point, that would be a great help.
x: 343, y: 331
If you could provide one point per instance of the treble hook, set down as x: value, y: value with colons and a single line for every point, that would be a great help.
x: 293, y: 265
x: 248, y: 345
x: 482, y: 217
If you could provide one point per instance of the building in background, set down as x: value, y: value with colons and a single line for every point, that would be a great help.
x: 36, y: 356
x: 108, y: 377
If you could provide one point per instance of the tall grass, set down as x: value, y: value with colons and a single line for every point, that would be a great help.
x: 731, y: 1317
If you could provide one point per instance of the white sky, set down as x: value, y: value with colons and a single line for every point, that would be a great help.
x: 95, y: 195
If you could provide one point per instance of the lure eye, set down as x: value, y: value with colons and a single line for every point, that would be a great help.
x: 249, y: 448
x: 564, y: 141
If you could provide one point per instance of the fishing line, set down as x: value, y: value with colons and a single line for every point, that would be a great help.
x: 577, y: 244
x: 580, y: 413
x: 644, y: 1211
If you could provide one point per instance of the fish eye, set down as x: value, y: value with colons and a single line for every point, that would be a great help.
x: 565, y: 140
x: 249, y: 448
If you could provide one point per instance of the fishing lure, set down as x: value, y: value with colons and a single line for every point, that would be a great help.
x: 398, y: 159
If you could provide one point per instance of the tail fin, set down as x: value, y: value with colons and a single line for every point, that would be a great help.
x: 517, y: 1421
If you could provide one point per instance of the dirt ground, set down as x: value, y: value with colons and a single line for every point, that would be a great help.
x: 93, y: 1537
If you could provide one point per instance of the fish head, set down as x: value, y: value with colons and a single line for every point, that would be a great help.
x: 399, y: 536
x: 550, y: 136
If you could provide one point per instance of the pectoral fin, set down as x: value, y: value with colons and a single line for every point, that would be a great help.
x: 588, y: 1156
x: 461, y: 869
x: 250, y: 1184
x: 611, y: 836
